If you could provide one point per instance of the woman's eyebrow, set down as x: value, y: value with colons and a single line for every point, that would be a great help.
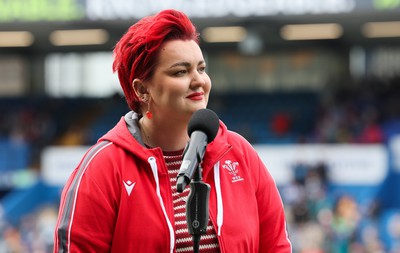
x: 185, y: 64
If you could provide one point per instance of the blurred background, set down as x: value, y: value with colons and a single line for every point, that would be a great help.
x: 313, y: 85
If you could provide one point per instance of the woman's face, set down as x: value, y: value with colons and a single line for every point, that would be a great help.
x: 179, y: 84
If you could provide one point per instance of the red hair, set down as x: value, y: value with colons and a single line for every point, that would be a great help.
x: 136, y: 52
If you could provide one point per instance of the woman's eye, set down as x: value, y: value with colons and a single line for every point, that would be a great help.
x: 180, y: 72
x: 202, y: 69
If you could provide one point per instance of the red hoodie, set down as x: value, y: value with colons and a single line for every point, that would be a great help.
x: 119, y: 198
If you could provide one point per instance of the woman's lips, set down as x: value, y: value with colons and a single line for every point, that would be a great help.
x: 196, y: 96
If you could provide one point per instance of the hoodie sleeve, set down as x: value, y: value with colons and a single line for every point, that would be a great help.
x: 273, y: 230
x: 86, y: 216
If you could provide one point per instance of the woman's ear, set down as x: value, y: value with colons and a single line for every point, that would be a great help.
x: 139, y: 88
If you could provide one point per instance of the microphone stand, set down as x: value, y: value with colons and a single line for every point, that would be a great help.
x: 197, y: 208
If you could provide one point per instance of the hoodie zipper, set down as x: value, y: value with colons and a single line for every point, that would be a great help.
x: 153, y: 164
x: 220, y: 207
x: 218, y: 191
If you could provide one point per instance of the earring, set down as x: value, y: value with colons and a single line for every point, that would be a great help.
x: 149, y: 115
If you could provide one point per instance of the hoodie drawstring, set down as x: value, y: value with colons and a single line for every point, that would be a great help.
x: 153, y: 165
x: 220, y: 208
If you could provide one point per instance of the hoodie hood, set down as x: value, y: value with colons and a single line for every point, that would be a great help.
x: 126, y: 134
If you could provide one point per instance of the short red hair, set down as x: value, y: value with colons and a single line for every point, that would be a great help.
x: 136, y: 53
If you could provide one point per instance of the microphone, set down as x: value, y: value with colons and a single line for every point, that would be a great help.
x: 202, y: 129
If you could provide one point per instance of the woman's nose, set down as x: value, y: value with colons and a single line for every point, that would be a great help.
x: 197, y: 80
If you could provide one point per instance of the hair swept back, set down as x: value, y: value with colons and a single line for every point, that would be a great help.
x: 136, y: 52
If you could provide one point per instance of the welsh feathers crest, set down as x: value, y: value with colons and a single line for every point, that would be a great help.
x: 232, y: 168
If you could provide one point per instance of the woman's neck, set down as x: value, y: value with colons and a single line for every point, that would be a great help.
x: 169, y: 135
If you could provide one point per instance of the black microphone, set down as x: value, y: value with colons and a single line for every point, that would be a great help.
x: 202, y: 129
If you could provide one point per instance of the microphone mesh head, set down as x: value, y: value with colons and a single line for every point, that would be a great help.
x: 204, y: 120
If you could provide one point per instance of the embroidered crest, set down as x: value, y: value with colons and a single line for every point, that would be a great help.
x: 233, y: 170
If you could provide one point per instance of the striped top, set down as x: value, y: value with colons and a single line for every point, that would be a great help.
x: 184, y: 242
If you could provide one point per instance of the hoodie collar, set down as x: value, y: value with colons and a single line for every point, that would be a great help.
x: 132, y: 122
x: 126, y: 134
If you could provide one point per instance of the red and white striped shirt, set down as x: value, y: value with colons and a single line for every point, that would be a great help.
x: 184, y: 242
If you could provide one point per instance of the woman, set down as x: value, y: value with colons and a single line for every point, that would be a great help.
x: 122, y: 197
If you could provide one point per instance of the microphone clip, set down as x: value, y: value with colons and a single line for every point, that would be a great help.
x: 197, y: 209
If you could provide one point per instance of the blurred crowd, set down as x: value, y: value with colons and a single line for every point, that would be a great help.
x: 34, y: 234
x: 355, y: 114
x: 319, y: 221
x: 323, y: 222
x: 358, y: 115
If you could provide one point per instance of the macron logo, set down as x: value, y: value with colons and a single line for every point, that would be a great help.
x: 129, y: 186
